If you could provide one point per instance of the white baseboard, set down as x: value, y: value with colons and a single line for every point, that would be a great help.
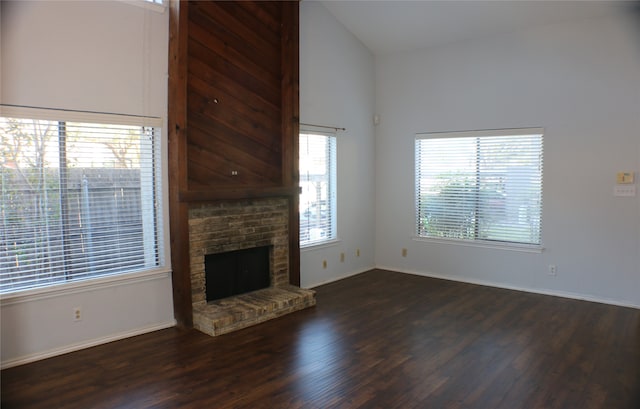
x: 555, y: 293
x: 85, y: 344
x: 139, y: 331
x: 343, y: 276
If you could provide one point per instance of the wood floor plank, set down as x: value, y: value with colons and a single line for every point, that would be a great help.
x: 375, y: 340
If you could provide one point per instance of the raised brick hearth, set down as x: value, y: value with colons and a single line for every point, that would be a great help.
x: 228, y: 226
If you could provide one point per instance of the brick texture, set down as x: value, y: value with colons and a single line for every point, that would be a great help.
x: 238, y: 225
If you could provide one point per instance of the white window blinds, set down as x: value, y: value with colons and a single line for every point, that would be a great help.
x: 318, y: 187
x: 81, y: 197
x: 480, y: 185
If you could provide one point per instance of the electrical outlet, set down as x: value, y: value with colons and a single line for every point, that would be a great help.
x: 342, y: 257
x: 624, y: 191
x: 77, y: 314
x: 404, y: 252
x: 553, y: 270
x: 357, y: 252
x: 324, y: 263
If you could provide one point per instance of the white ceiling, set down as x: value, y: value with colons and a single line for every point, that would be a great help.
x: 397, y: 25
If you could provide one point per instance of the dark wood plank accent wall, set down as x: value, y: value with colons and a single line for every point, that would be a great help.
x: 290, y: 129
x: 177, y: 122
x: 233, y: 116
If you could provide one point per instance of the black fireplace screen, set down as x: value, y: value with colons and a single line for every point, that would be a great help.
x: 236, y: 272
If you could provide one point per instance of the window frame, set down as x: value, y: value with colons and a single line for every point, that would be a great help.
x: 331, y: 188
x: 479, y: 242
x: 160, y: 216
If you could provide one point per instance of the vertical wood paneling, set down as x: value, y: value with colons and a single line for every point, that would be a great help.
x: 233, y: 116
x: 290, y: 127
x: 177, y: 123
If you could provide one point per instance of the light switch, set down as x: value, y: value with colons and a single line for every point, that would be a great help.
x: 625, y: 191
x: 624, y: 178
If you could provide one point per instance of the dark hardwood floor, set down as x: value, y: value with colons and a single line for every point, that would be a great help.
x: 375, y: 340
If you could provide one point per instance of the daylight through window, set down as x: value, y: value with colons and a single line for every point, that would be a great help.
x: 317, y: 183
x: 480, y: 185
x: 80, y: 198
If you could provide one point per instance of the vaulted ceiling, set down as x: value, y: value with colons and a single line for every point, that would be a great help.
x: 396, y: 25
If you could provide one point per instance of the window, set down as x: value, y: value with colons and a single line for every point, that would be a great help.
x: 318, y: 187
x: 81, y: 197
x: 480, y: 185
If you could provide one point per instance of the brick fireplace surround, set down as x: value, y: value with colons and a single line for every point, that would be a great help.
x: 237, y: 225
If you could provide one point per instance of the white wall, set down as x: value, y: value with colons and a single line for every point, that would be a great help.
x: 581, y: 82
x: 337, y: 84
x: 105, y: 56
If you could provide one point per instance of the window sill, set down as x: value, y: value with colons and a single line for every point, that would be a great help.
x: 81, y: 286
x: 524, y: 248
x: 317, y: 246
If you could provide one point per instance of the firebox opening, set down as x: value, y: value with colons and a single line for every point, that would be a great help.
x: 236, y: 272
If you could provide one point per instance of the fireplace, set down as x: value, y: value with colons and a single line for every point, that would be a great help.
x: 236, y: 272
x: 226, y: 229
